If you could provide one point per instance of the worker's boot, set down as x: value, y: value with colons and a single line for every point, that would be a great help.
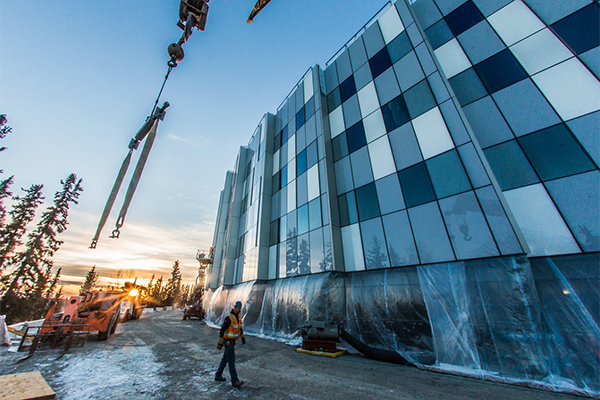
x: 238, y: 383
x: 220, y: 378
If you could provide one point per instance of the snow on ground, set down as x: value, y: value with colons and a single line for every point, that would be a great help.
x: 133, y: 373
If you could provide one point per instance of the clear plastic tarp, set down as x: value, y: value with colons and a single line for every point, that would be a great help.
x: 526, y: 322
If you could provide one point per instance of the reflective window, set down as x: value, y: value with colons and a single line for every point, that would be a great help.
x: 300, y: 118
x: 343, y: 175
x: 273, y: 262
x: 362, y: 76
x: 327, y: 249
x: 303, y: 219
x: 487, y: 122
x: 347, y: 89
x: 447, y: 174
x: 480, y: 42
x: 291, y: 196
x: 312, y: 177
x: 452, y: 58
x: 540, y: 51
x: 344, y: 68
x: 419, y: 99
x: 387, y: 86
x: 432, y: 133
x: 373, y: 40
x: 303, y: 255
x: 405, y: 147
x: 291, y: 259
x: 334, y: 99
x: 500, y: 70
x: 374, y: 245
x: 500, y: 225
x: 515, y: 22
x: 374, y: 126
x: 438, y: 34
x: 408, y: 70
x: 336, y: 122
x: 430, y: 234
x: 389, y: 194
x: 390, y: 25
x: 400, y: 242
x: 382, y: 161
x: 352, y: 246
x: 325, y: 209
x: 302, y: 189
x: 472, y: 162
x: 311, y: 154
x: 555, y: 153
x: 358, y: 55
x: 277, y: 142
x: 284, y: 134
x: 380, y: 62
x: 348, y: 210
x: 274, y: 234
x: 356, y: 137
x: 314, y: 214
x: 463, y: 18
x: 361, y: 167
x: 283, y: 228
x: 282, y: 260
x: 510, y: 165
x: 339, y: 145
x: 467, y: 227
x: 395, y: 113
x: 351, y: 111
x: 580, y: 30
x: 541, y: 224
x: 367, y: 98
x: 467, y: 86
x: 416, y: 185
x: 284, y: 176
x: 276, y: 181
x: 309, y: 108
x: 399, y: 47
x: 366, y: 201
x: 317, y: 255
x: 301, y: 163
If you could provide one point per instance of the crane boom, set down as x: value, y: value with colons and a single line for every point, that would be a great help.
x: 260, y: 4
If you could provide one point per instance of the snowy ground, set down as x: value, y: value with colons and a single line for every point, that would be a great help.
x: 162, y: 357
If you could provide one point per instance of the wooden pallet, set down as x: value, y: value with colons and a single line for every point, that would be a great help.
x: 25, y: 386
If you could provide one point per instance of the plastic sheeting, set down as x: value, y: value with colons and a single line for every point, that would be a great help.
x: 532, y: 323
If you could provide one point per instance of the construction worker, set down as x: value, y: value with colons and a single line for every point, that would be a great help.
x: 230, y: 332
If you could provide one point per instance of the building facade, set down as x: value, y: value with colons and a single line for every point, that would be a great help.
x: 435, y: 189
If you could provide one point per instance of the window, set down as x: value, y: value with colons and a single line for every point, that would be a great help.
x: 500, y: 71
x: 356, y: 137
x: 395, y: 113
x: 366, y: 200
x: 580, y: 30
x: 380, y: 62
x: 416, y: 185
x: 463, y: 18
x: 347, y: 89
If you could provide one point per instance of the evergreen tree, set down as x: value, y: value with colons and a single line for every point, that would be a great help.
x: 376, y: 258
x: 4, y: 130
x: 395, y: 257
x: 4, y: 193
x: 22, y: 214
x: 156, y: 293
x: 91, y: 280
x: 303, y: 257
x: 173, y: 287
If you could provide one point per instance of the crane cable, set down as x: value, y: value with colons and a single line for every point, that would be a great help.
x: 154, y: 117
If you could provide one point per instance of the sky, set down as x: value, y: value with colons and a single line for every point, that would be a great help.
x: 79, y: 78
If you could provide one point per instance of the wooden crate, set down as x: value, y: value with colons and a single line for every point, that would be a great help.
x: 25, y: 386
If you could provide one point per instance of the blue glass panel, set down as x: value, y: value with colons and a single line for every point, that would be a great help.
x: 347, y: 208
x: 303, y: 255
x: 555, y: 153
x: 300, y: 118
x: 302, y: 190
x: 467, y: 86
x: 356, y: 137
x: 311, y: 154
x: 395, y: 113
x: 419, y: 99
x: 274, y: 234
x: 430, y: 234
x: 276, y: 182
x: 284, y: 176
x: 292, y: 230
x: 339, y: 145
x: 389, y: 194
x: 284, y: 134
x: 399, y: 47
x: 325, y: 209
x: 380, y: 62
x: 361, y: 167
x: 301, y: 163
x: 463, y: 18
x: 314, y: 214
x: 447, y: 174
x: 347, y: 88
x: 334, y: 99
x: 291, y: 259
x: 416, y: 185
x: 283, y: 228
x: 510, y: 165
x: 500, y: 70
x: 400, y: 242
x: 580, y: 30
x: 317, y: 254
x: 303, y: 219
x: 309, y: 108
x: 438, y: 34
x: 277, y: 142
x: 366, y: 201
x: 374, y: 246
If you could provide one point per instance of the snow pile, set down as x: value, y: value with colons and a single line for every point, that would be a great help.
x: 133, y: 372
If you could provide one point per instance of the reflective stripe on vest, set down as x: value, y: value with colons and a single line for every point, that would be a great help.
x: 233, y: 332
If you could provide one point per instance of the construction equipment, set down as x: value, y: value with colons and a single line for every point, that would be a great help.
x: 320, y: 336
x: 205, y: 258
x: 95, y: 311
x: 195, y: 309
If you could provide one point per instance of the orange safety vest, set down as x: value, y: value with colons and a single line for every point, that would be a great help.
x: 233, y: 332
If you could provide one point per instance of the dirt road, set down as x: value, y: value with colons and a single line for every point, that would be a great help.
x: 162, y: 357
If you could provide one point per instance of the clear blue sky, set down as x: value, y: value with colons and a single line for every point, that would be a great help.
x: 78, y: 78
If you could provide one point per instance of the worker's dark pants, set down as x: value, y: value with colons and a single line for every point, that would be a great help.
x: 228, y: 358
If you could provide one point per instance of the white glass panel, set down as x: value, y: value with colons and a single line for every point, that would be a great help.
x: 571, y: 89
x: 374, y: 126
x: 367, y: 98
x: 291, y: 170
x: 390, y: 24
x: 282, y: 260
x: 353, y: 254
x: 336, y: 122
x: 540, y: 222
x: 272, y: 262
x: 308, y: 86
x: 291, y: 146
x: 432, y: 134
x: 540, y: 51
x: 313, y: 182
x: 275, y: 162
x: 382, y: 160
x: 515, y: 22
x: 291, y: 196
x: 452, y: 58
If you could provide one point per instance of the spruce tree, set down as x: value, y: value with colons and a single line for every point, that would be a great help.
x: 22, y: 214
x: 91, y: 280
x: 173, y: 285
x: 4, y: 130
x: 4, y: 193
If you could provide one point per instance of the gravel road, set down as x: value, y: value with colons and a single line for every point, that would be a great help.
x: 162, y: 357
